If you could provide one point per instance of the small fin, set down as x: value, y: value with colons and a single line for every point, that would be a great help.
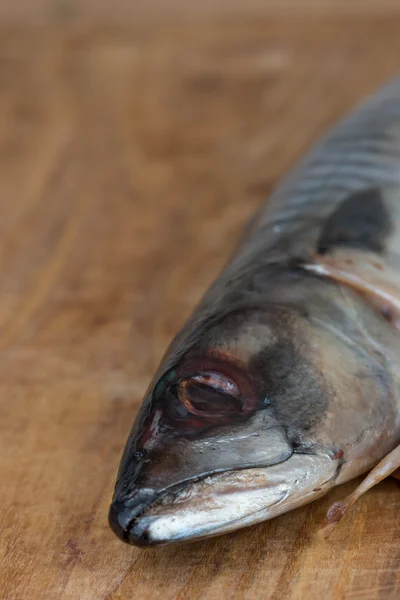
x: 386, y: 467
x: 368, y: 275
x: 361, y: 221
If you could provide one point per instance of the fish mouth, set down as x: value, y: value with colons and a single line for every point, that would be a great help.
x: 222, y: 502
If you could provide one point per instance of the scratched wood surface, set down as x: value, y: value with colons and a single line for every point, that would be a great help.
x: 129, y: 159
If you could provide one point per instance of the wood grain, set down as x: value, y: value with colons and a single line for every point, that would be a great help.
x: 130, y: 157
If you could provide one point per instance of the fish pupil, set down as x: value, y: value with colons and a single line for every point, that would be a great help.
x: 211, y: 394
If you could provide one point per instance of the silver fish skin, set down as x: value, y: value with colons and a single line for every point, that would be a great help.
x: 284, y: 382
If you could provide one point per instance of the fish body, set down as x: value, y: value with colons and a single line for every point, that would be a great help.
x: 285, y: 381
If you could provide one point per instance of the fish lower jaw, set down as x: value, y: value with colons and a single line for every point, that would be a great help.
x: 190, y: 525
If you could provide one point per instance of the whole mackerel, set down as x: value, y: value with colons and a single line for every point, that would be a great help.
x: 285, y: 381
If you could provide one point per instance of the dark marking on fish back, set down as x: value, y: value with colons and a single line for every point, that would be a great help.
x: 362, y: 221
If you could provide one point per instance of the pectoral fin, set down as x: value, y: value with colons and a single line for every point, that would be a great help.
x: 386, y: 467
x: 378, y: 281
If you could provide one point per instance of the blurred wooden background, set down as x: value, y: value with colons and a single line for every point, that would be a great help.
x: 135, y: 139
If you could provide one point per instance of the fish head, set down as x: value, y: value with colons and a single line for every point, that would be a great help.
x: 248, y: 421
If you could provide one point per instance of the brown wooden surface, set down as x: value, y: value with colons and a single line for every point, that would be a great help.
x: 129, y: 159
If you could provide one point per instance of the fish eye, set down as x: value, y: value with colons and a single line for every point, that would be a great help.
x: 208, y: 388
x: 210, y: 394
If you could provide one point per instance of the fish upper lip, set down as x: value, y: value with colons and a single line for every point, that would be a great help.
x: 119, y: 519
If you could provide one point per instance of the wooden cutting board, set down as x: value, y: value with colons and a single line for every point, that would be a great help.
x: 131, y: 154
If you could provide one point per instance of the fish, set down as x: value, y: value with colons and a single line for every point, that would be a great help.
x: 285, y: 380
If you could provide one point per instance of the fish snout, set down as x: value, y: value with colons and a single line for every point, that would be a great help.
x: 122, y: 515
